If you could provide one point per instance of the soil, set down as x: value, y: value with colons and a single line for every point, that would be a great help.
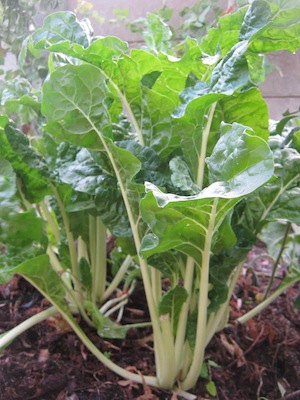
x: 258, y: 360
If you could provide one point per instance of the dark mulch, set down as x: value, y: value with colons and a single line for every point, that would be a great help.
x: 259, y: 360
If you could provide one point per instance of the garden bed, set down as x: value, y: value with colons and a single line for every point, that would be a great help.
x: 260, y: 359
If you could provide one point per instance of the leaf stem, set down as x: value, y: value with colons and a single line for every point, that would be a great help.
x: 183, y: 317
x: 169, y: 372
x: 204, y: 141
x: 156, y: 284
x: 99, y: 269
x: 11, y: 335
x: 256, y: 310
x: 118, y: 278
x: 275, y: 266
x: 25, y: 202
x: 50, y: 220
x: 282, y: 190
x: 70, y: 239
x: 128, y: 109
x: 56, y: 265
x: 198, y: 354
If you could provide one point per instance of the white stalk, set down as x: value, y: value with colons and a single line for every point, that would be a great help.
x: 156, y: 284
x: 198, y: 358
x: 100, y: 267
x: 70, y: 239
x: 256, y: 310
x: 204, y: 141
x: 220, y: 317
x: 183, y: 317
x: 49, y: 218
x: 55, y: 264
x: 168, y: 374
x: 118, y: 278
x: 7, y: 337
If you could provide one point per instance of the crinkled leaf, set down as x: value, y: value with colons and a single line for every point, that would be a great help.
x: 8, y: 189
x: 89, y: 173
x: 282, y: 30
x: 62, y: 29
x: 257, y: 16
x: 181, y: 177
x: 28, y: 164
x: 167, y: 263
x: 247, y: 108
x: 157, y: 34
x: 21, y: 232
x: 76, y: 103
x: 18, y: 99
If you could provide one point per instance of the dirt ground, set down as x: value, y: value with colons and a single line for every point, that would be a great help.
x: 259, y: 360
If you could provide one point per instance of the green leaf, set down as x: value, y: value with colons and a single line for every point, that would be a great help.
x: 282, y: 30
x: 257, y: 17
x: 105, y: 326
x: 157, y: 34
x: 181, y: 177
x: 76, y: 103
x: 272, y: 235
x: 211, y: 388
x: 89, y: 173
x: 232, y: 72
x: 247, y: 108
x: 18, y: 99
x: 8, y: 189
x: 279, y: 199
x: 238, y: 165
x: 27, y: 163
x: 39, y: 273
x: 21, y: 232
x: 237, y: 157
x: 171, y: 304
x: 61, y: 28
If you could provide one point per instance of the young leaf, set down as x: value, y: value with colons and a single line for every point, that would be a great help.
x: 171, y: 304
x: 62, y: 29
x: 105, y: 326
x: 157, y: 34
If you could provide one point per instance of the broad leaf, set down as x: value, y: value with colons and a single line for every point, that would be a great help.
x: 182, y: 222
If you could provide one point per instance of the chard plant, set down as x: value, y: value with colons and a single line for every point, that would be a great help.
x: 169, y: 156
